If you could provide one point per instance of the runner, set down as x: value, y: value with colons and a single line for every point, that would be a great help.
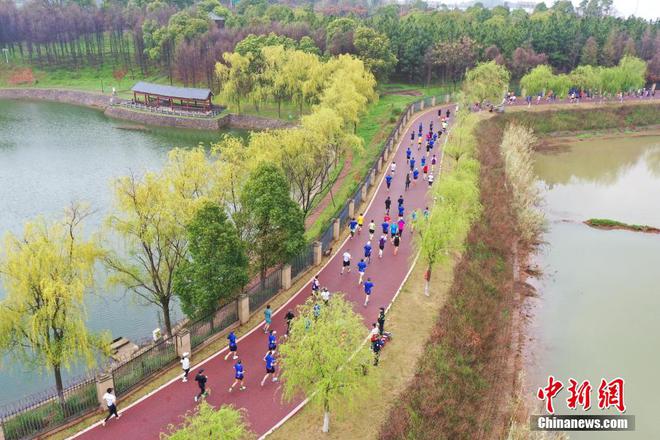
x: 111, y: 403
x: 185, y: 366
x: 367, y: 252
x: 439, y: 113
x: 233, y: 347
x: 419, y: 143
x: 239, y: 376
x: 288, y: 317
x: 407, y: 182
x: 386, y: 227
x: 415, y: 176
x: 270, y: 367
x: 401, y: 225
x: 430, y: 179
x: 400, y: 200
x: 433, y: 162
x: 423, y: 161
x: 413, y: 217
x: 201, y: 379
x: 352, y: 226
x: 426, y: 170
x: 362, y: 267
x: 393, y: 167
x: 372, y: 229
x: 381, y: 245
x: 412, y: 135
x: 388, y: 181
x: 346, y: 262
x: 388, y: 203
x: 412, y: 164
x: 447, y: 113
x: 396, y: 241
x: 408, y: 154
x: 394, y: 229
x: 387, y: 217
x: 272, y: 340
x: 401, y: 210
x: 268, y: 317
x: 360, y: 221
x: 426, y: 213
x: 368, y: 288
x: 315, y: 284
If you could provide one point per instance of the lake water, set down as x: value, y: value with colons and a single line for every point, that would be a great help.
x: 52, y: 154
x: 599, y: 300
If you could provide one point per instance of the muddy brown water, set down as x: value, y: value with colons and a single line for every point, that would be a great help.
x: 598, y: 305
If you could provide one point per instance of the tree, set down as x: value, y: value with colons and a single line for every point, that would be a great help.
x: 46, y: 272
x: 272, y: 223
x: 538, y: 81
x: 524, y: 59
x: 151, y: 217
x: 235, y: 77
x: 324, y: 358
x: 590, y: 52
x: 373, y: 48
x: 218, y: 264
x: 205, y: 421
x: 488, y: 81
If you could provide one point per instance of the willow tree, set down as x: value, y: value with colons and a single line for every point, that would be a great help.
x: 538, y: 80
x: 46, y: 272
x: 225, y: 423
x: 151, y: 214
x: 235, y: 77
x: 486, y: 82
x: 324, y: 357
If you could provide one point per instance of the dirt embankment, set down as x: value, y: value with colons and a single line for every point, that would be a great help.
x: 467, y: 377
x: 612, y: 224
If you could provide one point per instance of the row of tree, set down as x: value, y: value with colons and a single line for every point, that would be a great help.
x: 628, y: 75
x: 178, y: 38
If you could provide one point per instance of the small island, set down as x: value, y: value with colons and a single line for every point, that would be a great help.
x: 603, y: 223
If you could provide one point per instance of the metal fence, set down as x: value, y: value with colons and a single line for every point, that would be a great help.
x: 22, y: 421
x: 139, y: 368
x: 28, y: 419
x: 326, y: 238
x: 265, y: 289
x: 204, y: 328
x: 302, y: 261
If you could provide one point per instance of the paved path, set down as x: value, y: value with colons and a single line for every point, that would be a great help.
x: 148, y: 417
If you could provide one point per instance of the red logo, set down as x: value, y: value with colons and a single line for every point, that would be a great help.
x: 610, y: 394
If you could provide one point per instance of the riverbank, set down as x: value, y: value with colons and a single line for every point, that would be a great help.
x: 111, y: 106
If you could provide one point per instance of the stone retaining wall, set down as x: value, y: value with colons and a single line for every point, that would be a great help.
x: 249, y: 122
x: 162, y: 120
x: 104, y: 102
x: 87, y: 99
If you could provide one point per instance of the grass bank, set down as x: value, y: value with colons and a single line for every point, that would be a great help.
x: 572, y: 119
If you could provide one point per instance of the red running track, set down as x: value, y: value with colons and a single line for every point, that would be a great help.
x: 265, y: 408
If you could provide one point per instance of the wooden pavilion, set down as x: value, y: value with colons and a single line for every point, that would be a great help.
x: 186, y: 98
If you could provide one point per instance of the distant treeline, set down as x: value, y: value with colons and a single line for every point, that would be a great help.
x: 181, y: 39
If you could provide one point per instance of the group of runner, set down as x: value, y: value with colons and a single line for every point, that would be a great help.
x: 392, y: 230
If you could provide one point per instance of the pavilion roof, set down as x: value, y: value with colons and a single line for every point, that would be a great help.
x: 171, y: 91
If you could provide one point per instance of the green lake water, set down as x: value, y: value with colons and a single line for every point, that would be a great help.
x: 598, y: 311
x: 52, y: 154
